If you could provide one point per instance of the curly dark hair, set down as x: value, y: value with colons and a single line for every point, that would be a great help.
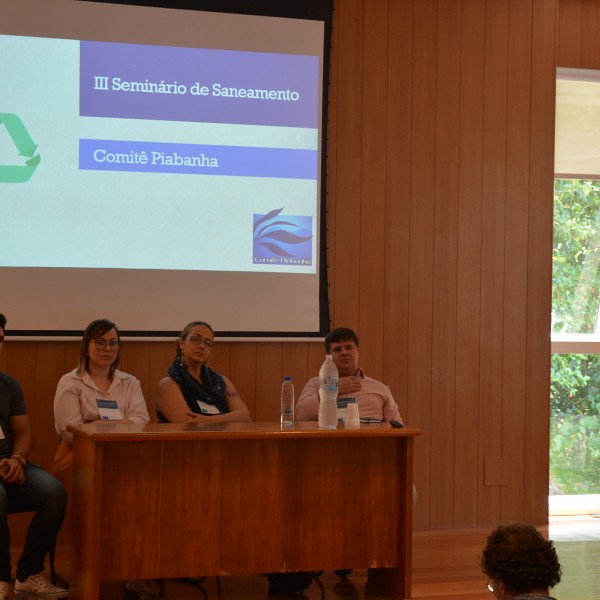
x: 518, y: 555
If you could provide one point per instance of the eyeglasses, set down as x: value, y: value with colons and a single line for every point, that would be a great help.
x: 197, y: 340
x: 102, y: 344
x: 489, y: 586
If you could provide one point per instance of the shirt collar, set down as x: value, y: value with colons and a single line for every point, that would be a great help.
x: 87, y: 379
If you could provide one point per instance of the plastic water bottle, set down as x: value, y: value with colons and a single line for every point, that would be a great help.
x: 287, y: 401
x: 328, y: 391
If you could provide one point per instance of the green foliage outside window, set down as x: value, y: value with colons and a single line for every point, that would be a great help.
x: 575, y: 383
x: 576, y: 256
x: 575, y: 424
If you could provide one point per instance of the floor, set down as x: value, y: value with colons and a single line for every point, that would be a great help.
x: 578, y: 545
x: 445, y: 567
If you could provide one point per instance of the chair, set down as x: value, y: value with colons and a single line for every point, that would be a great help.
x: 13, y: 510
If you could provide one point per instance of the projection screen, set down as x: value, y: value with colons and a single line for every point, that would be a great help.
x: 160, y: 165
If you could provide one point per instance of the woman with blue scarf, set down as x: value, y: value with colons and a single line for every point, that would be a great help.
x: 193, y: 392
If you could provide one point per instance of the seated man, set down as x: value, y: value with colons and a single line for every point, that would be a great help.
x: 28, y: 487
x: 520, y: 563
x: 374, y: 399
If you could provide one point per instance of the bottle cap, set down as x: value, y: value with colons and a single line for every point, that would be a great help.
x: 287, y: 378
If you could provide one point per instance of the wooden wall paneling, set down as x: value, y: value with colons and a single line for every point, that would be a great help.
x: 269, y: 362
x: 295, y: 363
x: 443, y: 347
x: 496, y: 92
x: 539, y: 290
x: 469, y: 265
x: 72, y: 349
x: 135, y: 359
x: 421, y: 242
x: 443, y: 351
x: 590, y: 39
x: 516, y: 249
x: 331, y: 161
x: 49, y: 369
x: 161, y: 356
x: 373, y: 186
x: 537, y: 409
x: 220, y: 358
x: 315, y: 358
x: 21, y: 359
x: 491, y: 345
x: 397, y: 206
x: 238, y: 362
x: 345, y: 273
x: 243, y: 372
x: 569, y: 38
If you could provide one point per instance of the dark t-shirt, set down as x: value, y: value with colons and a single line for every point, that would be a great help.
x: 12, y: 404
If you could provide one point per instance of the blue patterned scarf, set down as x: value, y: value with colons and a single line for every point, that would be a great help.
x: 211, y: 390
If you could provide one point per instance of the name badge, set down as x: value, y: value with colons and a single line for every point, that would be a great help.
x: 208, y: 409
x: 109, y: 410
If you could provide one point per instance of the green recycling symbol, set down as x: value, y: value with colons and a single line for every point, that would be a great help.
x: 26, y: 147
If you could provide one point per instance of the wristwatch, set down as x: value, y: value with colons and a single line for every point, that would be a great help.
x: 22, y: 460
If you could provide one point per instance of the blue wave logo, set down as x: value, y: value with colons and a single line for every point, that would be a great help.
x: 282, y: 239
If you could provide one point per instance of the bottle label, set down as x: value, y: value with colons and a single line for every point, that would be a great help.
x: 329, y: 383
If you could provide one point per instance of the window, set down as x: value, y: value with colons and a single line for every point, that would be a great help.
x: 575, y: 377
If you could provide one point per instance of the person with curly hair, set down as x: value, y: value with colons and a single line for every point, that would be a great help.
x: 520, y: 563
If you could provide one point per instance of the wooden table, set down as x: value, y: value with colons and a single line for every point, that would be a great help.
x: 172, y: 500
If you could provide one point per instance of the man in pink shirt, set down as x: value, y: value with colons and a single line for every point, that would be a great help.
x: 374, y: 399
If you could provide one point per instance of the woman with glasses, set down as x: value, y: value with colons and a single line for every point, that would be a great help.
x: 520, y: 563
x: 193, y: 392
x: 96, y: 390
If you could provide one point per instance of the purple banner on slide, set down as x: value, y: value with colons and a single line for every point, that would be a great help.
x: 196, y: 159
x: 168, y: 83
